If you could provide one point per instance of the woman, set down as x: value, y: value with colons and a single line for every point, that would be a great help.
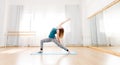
x: 55, y: 35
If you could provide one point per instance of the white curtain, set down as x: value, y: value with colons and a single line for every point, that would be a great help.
x: 74, y: 36
x: 13, y: 19
x: 98, y: 36
x: 93, y: 30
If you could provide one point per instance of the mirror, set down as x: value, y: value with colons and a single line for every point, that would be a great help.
x: 105, y: 27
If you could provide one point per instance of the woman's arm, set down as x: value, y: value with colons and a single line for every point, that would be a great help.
x: 63, y: 23
x: 59, y: 26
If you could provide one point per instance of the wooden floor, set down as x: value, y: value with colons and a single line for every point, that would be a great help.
x: 85, y: 56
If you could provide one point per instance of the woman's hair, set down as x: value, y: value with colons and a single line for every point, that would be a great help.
x: 61, y: 32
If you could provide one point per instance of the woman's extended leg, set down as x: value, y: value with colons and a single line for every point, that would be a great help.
x: 59, y: 44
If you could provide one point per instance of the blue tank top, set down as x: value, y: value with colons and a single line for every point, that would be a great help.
x: 52, y: 33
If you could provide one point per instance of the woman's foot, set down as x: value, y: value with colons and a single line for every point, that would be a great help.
x: 68, y: 51
x: 40, y: 52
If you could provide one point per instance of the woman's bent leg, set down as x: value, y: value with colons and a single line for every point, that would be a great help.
x: 44, y: 41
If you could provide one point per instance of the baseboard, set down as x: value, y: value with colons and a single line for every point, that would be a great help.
x: 105, y: 51
x: 69, y: 45
x: 2, y: 46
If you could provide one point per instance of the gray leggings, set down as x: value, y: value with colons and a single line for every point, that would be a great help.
x: 52, y: 40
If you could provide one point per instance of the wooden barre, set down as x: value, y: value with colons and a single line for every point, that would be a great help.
x: 106, y: 7
x: 20, y: 33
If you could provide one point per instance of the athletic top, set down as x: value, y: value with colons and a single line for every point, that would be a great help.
x: 52, y: 33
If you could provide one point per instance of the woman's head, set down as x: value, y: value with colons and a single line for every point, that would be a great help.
x: 61, y: 32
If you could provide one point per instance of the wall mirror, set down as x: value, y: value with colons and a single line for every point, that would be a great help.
x: 104, y: 28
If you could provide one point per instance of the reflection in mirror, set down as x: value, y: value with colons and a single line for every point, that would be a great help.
x: 112, y: 24
x: 105, y: 27
x: 98, y: 37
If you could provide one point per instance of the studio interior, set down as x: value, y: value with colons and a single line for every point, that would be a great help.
x: 90, y: 35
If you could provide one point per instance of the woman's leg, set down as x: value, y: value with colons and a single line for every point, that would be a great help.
x: 44, y: 41
x: 59, y: 44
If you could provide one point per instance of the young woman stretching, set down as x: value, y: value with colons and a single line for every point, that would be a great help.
x: 55, y: 35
